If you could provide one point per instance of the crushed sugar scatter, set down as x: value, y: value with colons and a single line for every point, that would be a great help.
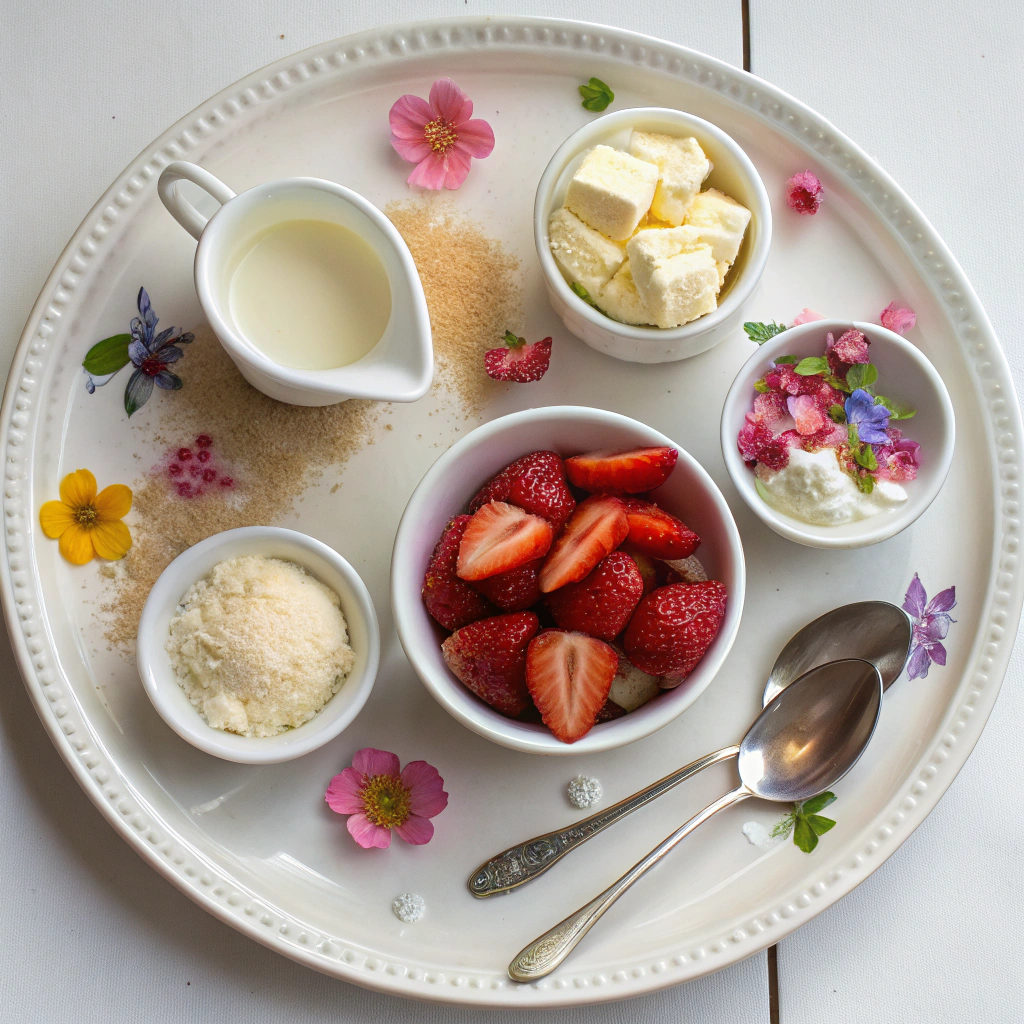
x: 584, y: 791
x: 409, y: 907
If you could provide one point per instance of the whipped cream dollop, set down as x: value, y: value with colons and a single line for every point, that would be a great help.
x: 815, y: 488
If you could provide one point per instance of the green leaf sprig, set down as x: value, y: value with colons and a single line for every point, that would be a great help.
x: 582, y: 292
x: 805, y: 823
x: 761, y: 332
x: 596, y: 95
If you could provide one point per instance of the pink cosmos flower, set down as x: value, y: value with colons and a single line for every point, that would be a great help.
x: 806, y: 316
x: 897, y: 319
x: 804, y: 193
x: 378, y: 797
x: 439, y: 136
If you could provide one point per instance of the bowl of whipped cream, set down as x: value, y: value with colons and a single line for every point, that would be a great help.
x: 838, y: 434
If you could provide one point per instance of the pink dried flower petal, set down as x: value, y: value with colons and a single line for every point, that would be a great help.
x: 368, y: 835
x: 898, y: 319
x: 804, y: 193
x: 426, y: 789
x: 807, y: 414
x: 416, y: 830
x: 345, y: 792
x: 450, y: 102
x: 770, y: 409
x: 370, y: 761
x: 806, y: 316
x: 852, y: 347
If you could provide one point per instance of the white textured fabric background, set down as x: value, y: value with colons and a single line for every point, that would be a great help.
x: 91, y: 933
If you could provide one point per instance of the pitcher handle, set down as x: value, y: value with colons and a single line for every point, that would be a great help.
x: 182, y: 210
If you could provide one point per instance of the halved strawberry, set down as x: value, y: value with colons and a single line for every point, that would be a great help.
x: 657, y: 533
x: 673, y: 626
x: 594, y: 530
x: 451, y: 601
x: 536, y: 483
x: 626, y: 471
x: 515, y: 590
x: 569, y: 676
x: 518, y: 361
x: 602, y: 602
x: 489, y: 656
x: 501, y: 537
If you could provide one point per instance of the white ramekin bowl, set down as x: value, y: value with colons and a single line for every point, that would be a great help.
x: 162, y: 684
x: 447, y: 488
x: 904, y: 375
x: 733, y: 174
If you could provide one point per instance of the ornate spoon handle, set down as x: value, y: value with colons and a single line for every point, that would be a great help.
x: 525, y: 862
x: 544, y: 954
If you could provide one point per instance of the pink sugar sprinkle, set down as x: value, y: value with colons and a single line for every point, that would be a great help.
x: 806, y: 316
x: 897, y: 319
x: 804, y: 193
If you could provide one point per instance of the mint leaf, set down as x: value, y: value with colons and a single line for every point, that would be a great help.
x: 108, y: 355
x: 596, y: 95
x: 803, y: 835
x: 819, y: 824
x: 761, y: 332
x: 582, y: 292
x: 761, y: 387
x: 761, y: 489
x: 838, y: 383
x: 865, y: 483
x: 861, y: 375
x: 817, y: 803
x: 837, y: 413
x: 811, y: 366
x: 865, y: 456
x: 896, y: 411
x: 787, y: 360
x: 853, y: 434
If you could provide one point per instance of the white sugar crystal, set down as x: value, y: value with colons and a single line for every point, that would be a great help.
x: 584, y: 791
x: 409, y: 907
x: 757, y: 835
x: 722, y: 219
x: 612, y: 191
x: 682, y: 166
x: 587, y: 256
x: 677, y: 280
x: 621, y: 301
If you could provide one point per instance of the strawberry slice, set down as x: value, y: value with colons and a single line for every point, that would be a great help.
x: 451, y: 601
x: 569, y: 676
x: 602, y: 602
x: 536, y: 483
x: 489, y: 656
x: 515, y: 590
x: 501, y: 537
x: 518, y: 361
x: 594, y: 530
x: 673, y: 626
x: 657, y: 533
x: 626, y: 471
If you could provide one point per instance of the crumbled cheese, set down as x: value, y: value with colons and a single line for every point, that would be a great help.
x: 587, y: 256
x: 611, y: 191
x: 409, y: 907
x: 584, y: 791
x: 259, y: 645
x: 682, y: 166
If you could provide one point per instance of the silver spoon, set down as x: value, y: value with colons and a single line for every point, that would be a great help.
x: 875, y: 631
x: 800, y: 745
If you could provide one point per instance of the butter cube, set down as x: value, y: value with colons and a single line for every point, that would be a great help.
x: 621, y: 301
x: 722, y: 218
x: 677, y: 280
x: 611, y: 191
x: 587, y: 256
x: 682, y: 166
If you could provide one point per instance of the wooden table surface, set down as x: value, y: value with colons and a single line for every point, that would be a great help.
x: 933, y: 91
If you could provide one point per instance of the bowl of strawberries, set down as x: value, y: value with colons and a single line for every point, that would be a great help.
x: 566, y: 580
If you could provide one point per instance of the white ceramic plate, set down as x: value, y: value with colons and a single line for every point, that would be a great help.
x: 256, y: 845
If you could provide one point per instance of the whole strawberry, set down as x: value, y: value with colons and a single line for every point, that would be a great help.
x: 489, y: 656
x: 601, y: 603
x: 515, y: 590
x: 536, y: 483
x: 673, y: 626
x: 450, y: 600
x: 518, y: 361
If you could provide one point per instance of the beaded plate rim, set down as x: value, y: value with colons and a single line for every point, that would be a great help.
x: 185, y: 866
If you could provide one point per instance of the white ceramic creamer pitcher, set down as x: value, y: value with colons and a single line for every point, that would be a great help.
x: 398, y: 368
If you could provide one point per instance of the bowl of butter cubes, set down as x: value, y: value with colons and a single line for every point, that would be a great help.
x: 652, y: 227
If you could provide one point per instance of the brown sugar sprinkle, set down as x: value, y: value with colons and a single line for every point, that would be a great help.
x: 273, y: 451
x: 473, y: 291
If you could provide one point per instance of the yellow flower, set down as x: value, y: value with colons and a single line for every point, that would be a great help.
x: 88, y: 523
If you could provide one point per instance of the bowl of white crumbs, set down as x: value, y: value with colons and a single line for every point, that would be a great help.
x: 258, y: 645
x: 652, y: 227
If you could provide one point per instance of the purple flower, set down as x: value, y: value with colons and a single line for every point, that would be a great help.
x: 151, y: 354
x: 871, y: 420
x: 931, y: 624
